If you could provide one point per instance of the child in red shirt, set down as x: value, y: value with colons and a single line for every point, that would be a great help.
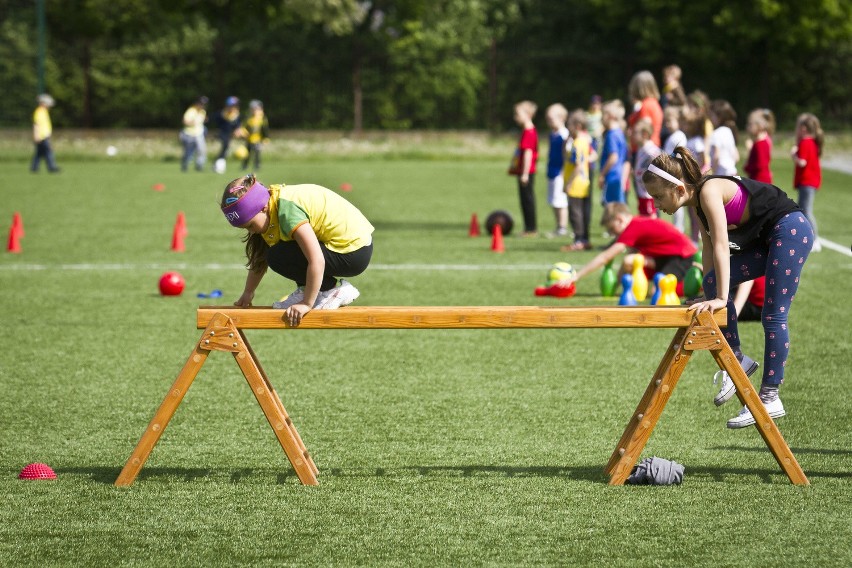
x: 808, y: 175
x: 665, y: 249
x: 524, y: 162
x: 761, y: 127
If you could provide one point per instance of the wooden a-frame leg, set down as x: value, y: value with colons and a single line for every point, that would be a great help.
x: 727, y: 361
x: 161, y: 418
x: 633, y: 424
x: 222, y: 335
x: 639, y: 430
x: 283, y: 410
x: 274, y: 411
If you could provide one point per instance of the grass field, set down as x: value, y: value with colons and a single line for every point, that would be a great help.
x: 434, y: 447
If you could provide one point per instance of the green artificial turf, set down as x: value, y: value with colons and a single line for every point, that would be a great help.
x: 458, y: 447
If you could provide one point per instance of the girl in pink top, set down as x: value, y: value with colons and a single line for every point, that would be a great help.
x: 761, y: 127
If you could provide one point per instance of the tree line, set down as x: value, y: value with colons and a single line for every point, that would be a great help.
x: 400, y: 64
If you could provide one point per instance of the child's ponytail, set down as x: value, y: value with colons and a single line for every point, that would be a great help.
x: 768, y: 120
x: 256, y: 249
x: 691, y: 171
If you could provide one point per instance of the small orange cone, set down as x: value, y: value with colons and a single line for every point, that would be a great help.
x: 346, y: 186
x: 178, y: 233
x: 14, y: 245
x: 474, y: 226
x: 158, y: 187
x: 18, y: 224
x: 497, y: 239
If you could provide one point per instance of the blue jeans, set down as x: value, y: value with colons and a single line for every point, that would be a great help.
x: 44, y: 151
x: 781, y: 261
x: 193, y: 145
x: 806, y: 202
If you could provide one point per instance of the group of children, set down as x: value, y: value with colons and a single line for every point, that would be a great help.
x: 680, y: 151
x: 251, y: 133
x: 618, y: 148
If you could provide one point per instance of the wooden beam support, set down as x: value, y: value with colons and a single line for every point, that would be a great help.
x: 462, y: 317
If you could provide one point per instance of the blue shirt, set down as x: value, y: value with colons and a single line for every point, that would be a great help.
x: 614, y: 142
x: 555, y: 159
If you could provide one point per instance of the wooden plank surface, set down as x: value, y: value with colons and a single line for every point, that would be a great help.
x: 461, y: 317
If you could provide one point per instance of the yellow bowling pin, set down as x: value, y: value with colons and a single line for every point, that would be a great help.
x: 669, y: 296
x: 640, y: 281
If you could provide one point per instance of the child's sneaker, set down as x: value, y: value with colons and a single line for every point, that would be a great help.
x: 728, y: 389
x: 341, y: 295
x: 295, y: 297
x: 744, y: 418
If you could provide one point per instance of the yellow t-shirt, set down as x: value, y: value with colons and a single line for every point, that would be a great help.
x: 193, y: 121
x: 338, y: 224
x: 41, y: 121
x: 578, y: 161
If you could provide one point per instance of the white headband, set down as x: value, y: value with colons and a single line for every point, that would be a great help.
x: 664, y: 174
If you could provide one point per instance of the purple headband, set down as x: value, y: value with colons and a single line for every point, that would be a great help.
x: 240, y: 210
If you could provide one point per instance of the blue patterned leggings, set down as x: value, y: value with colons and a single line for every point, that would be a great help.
x: 781, y: 262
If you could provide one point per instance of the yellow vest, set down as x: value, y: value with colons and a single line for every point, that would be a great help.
x: 43, y: 126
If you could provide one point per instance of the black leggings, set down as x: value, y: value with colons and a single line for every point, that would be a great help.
x: 288, y: 260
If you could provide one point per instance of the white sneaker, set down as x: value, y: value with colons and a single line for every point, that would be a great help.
x: 341, y: 295
x: 744, y: 418
x: 727, y: 390
x: 295, y: 297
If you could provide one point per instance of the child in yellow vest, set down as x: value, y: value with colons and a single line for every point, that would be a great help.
x: 577, y: 182
x: 256, y: 133
x: 42, y: 131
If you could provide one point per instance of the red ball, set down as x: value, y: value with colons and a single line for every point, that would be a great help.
x: 171, y: 284
x: 37, y: 471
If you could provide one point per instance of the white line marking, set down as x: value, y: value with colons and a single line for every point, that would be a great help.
x: 835, y: 247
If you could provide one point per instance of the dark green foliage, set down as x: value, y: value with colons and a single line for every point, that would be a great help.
x: 416, y: 64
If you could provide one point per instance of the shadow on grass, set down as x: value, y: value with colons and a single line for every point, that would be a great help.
x: 594, y: 474
x: 795, y: 451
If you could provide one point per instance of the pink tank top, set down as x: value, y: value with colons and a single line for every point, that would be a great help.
x: 735, y: 208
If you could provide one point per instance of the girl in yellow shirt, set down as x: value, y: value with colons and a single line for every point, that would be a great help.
x: 306, y: 233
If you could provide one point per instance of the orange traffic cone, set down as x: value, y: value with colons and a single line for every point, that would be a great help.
x: 474, y: 226
x: 14, y: 245
x: 18, y: 224
x: 497, y: 239
x: 178, y: 233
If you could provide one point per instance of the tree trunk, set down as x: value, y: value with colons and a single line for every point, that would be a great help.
x: 491, y: 119
x: 357, y: 91
x: 86, y: 64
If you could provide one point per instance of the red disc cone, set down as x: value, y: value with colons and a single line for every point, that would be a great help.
x: 497, y: 239
x: 474, y: 226
x: 14, y: 245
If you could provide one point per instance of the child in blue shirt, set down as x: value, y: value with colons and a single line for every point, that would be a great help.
x: 556, y: 116
x: 613, y: 153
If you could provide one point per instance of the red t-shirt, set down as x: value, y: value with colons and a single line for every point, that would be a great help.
x: 529, y: 141
x: 656, y: 238
x: 758, y: 291
x: 757, y: 166
x: 809, y: 175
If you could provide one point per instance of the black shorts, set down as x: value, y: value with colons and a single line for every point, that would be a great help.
x: 676, y: 265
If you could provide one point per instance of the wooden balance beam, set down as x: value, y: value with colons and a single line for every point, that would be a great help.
x: 223, y: 331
